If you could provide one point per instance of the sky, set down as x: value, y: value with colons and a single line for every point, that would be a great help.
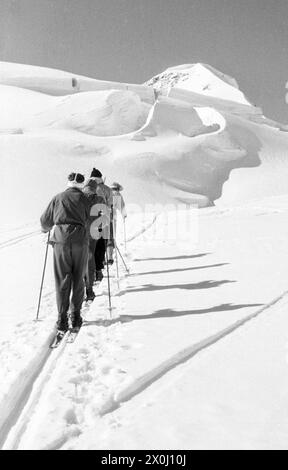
x: 133, y: 40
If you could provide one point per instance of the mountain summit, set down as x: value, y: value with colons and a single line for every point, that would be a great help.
x: 188, y: 135
x: 199, y: 78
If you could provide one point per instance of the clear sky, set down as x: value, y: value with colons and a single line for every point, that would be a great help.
x: 132, y: 40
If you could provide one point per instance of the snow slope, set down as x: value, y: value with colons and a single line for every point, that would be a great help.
x: 199, y: 328
x: 156, y: 164
x: 97, y: 113
x: 193, y: 311
x: 199, y: 78
x: 186, y: 147
x: 57, y: 82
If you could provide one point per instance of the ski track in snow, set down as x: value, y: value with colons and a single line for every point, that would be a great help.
x: 25, y: 393
x: 19, y: 239
x: 143, y: 230
x: 28, y: 390
x: 20, y: 390
x: 148, y: 379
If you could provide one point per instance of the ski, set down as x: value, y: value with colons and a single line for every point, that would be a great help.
x: 57, y: 339
x: 86, y: 305
x: 73, y: 334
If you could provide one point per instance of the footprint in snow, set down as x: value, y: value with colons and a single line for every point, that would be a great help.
x: 84, y: 351
x: 70, y: 417
x: 106, y: 370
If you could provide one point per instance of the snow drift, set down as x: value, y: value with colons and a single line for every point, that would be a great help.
x: 110, y: 112
x: 200, y: 141
x: 57, y: 82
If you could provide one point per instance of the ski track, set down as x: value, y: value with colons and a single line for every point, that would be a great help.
x: 148, y: 379
x: 23, y: 404
x: 28, y: 391
x: 31, y: 395
x: 25, y: 393
x: 25, y: 236
x: 20, y: 391
x: 143, y: 230
x: 19, y: 239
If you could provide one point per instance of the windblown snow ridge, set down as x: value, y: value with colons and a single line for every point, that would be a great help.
x: 58, y: 82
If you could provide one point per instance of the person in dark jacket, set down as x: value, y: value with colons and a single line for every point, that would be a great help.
x: 97, y: 207
x: 68, y: 213
x: 107, y: 239
x: 102, y: 189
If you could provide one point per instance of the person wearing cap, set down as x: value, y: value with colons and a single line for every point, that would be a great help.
x: 97, y: 207
x: 102, y: 189
x: 118, y: 206
x: 106, y: 242
x: 68, y: 213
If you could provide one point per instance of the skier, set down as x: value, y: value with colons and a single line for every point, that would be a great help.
x: 68, y: 213
x: 106, y: 239
x: 97, y: 203
x: 118, y: 206
x: 102, y: 189
x: 118, y: 200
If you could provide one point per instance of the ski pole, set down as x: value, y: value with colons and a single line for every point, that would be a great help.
x: 125, y: 237
x: 109, y: 287
x: 43, y: 276
x: 116, y: 254
x: 125, y: 265
x: 117, y: 265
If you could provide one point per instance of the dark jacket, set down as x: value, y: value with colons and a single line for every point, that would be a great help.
x: 69, y: 212
x: 95, y: 203
x: 104, y: 191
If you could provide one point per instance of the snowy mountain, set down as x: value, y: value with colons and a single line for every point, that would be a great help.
x: 187, y: 145
x: 193, y: 353
x: 199, y: 78
x: 56, y: 82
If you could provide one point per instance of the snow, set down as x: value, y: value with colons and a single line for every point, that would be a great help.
x: 192, y: 340
x: 200, y: 78
x: 56, y: 82
x: 194, y: 355
x: 99, y: 113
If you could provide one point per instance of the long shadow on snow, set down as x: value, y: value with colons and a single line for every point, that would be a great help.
x: 178, y: 270
x: 173, y: 258
x: 142, y: 382
x: 169, y: 313
x: 195, y: 286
